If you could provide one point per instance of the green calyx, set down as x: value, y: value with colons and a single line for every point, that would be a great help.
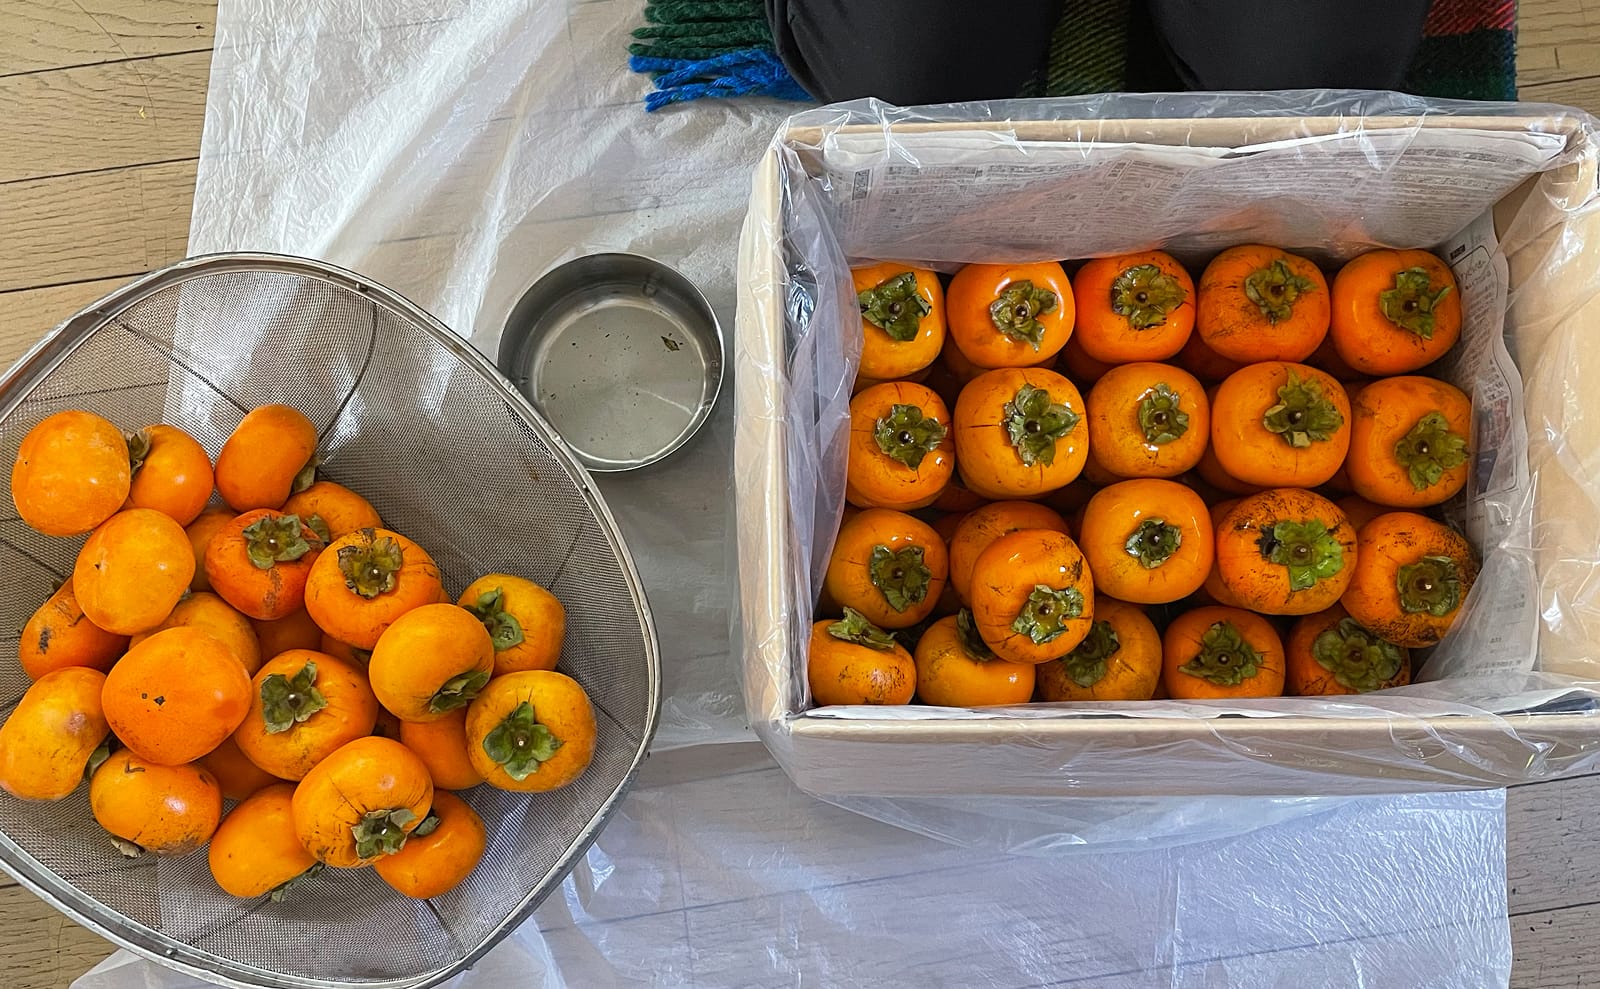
x: 1045, y: 614
x: 1432, y: 584
x: 854, y: 627
x: 373, y: 567
x: 458, y: 691
x: 520, y: 743
x: 287, y: 701
x: 1411, y: 303
x: 895, y: 306
x: 504, y: 629
x: 1144, y: 295
x: 1307, y: 549
x: 899, y: 575
x: 282, y: 890
x: 1430, y: 449
x: 1016, y: 311
x: 1153, y: 541
x: 275, y: 539
x: 138, y: 449
x: 1304, y: 413
x: 1160, y: 418
x: 98, y: 757
x: 307, y: 475
x: 1086, y: 664
x: 971, y: 640
x: 1034, y: 423
x: 382, y: 832
x: 319, y: 525
x: 1225, y: 658
x: 1274, y: 290
x: 1357, y: 659
x: 906, y: 435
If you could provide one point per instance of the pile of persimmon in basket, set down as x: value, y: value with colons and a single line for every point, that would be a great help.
x: 286, y: 652
x: 1126, y: 485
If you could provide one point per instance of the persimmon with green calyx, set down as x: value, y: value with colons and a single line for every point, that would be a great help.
x: 360, y: 802
x: 1148, y: 420
x: 1394, y: 311
x: 1133, y: 307
x: 1119, y: 660
x: 1258, y: 303
x: 304, y: 705
x: 1032, y: 595
x: 430, y: 661
x: 955, y: 668
x: 889, y: 566
x: 1286, y: 551
x: 901, y: 453
x: 1410, y: 441
x: 1331, y: 653
x: 261, y: 561
x: 1277, y: 424
x: 852, y: 661
x: 365, y: 580
x: 531, y: 731
x: 1412, y: 578
x: 1010, y: 315
x: 902, y: 319
x: 1020, y: 433
x: 1219, y: 652
x: 526, y: 623
x: 1148, y: 540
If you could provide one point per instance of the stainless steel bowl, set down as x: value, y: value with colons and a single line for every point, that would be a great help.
x: 621, y: 354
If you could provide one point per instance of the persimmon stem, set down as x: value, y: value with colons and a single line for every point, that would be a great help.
x: 1225, y: 657
x: 1086, y: 664
x: 895, y: 306
x: 1358, y: 659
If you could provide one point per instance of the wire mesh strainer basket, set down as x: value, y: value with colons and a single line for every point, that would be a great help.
x: 451, y: 455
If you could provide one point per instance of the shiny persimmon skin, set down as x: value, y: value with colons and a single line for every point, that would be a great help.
x: 1365, y: 338
x: 1118, y: 441
x: 435, y: 863
x: 841, y: 672
x: 539, y: 613
x: 341, y: 510
x: 1205, y: 363
x: 351, y: 713
x: 263, y: 455
x: 848, y: 579
x: 1382, y: 414
x: 1235, y: 328
x: 200, y: 532
x: 71, y: 473
x: 1110, y: 336
x: 983, y: 526
x: 175, y: 696
x: 364, y: 776
x: 884, y: 358
x: 957, y: 497
x: 976, y: 286
x: 422, y: 651
x: 351, y: 618
x: 1214, y: 588
x: 266, y: 594
x: 1262, y: 585
x: 1251, y: 453
x: 255, y: 849
x: 876, y: 480
x: 988, y: 460
x: 1389, y: 542
x: 166, y: 810
x: 1112, y: 517
x: 948, y: 675
x: 209, y: 613
x: 559, y: 704
x: 59, y: 635
x: 132, y: 571
x: 442, y: 747
x: 175, y: 477
x: 1305, y: 677
x: 48, y: 737
x: 1082, y: 369
x: 1182, y: 641
x: 234, y: 772
x: 1004, y: 576
x: 1132, y: 672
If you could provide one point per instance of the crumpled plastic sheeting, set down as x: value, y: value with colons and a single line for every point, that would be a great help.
x: 719, y: 873
x: 455, y: 151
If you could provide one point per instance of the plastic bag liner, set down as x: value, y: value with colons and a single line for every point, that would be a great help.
x: 1505, y: 192
x: 717, y: 872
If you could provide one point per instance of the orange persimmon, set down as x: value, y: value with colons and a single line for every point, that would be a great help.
x: 332, y: 510
x: 531, y: 731
x: 270, y: 455
x: 955, y: 668
x: 1147, y: 540
x: 234, y: 772
x: 1394, y: 311
x: 440, y: 854
x: 260, y: 562
x: 1410, y: 441
x: 1411, y: 578
x: 1218, y: 652
x: 366, y: 579
x: 171, y: 473
x: 71, y: 473
x: 902, y: 319
x: 889, y: 566
x: 132, y: 570
x: 1278, y: 424
x: 1119, y: 660
x: 209, y: 613
x: 901, y: 454
x: 1133, y: 307
x: 1079, y: 366
x: 1010, y: 315
x: 50, y: 736
x: 442, y: 747
x: 957, y: 497
x: 982, y: 526
x: 852, y: 661
x: 60, y: 635
x: 1359, y: 510
x: 432, y: 660
x: 200, y: 532
x: 1203, y: 362
x: 255, y: 850
x: 293, y: 631
x: 1148, y: 420
x: 1213, y: 587
x: 1331, y: 653
x: 526, y: 622
x: 361, y: 802
x: 162, y: 809
x: 1020, y: 433
x: 176, y: 695
x: 1286, y: 551
x: 1258, y: 303
x: 1032, y: 595
x: 304, y: 705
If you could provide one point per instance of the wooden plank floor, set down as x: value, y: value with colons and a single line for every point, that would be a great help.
x: 103, y: 102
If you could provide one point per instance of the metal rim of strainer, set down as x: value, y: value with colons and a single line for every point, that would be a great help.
x: 29, y: 370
